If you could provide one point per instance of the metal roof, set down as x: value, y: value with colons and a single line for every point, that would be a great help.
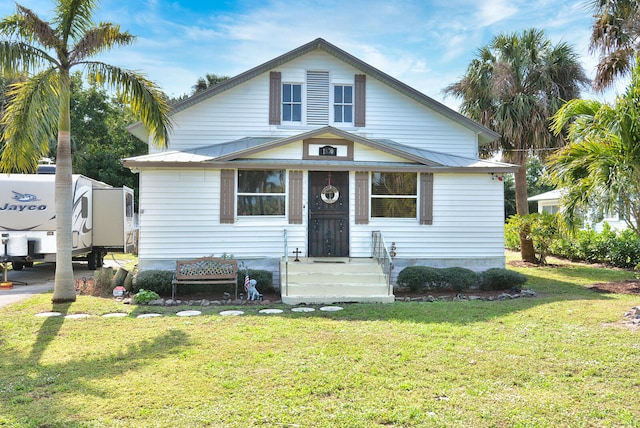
x: 235, y: 152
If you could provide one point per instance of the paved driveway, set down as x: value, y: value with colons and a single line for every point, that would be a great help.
x: 37, y: 279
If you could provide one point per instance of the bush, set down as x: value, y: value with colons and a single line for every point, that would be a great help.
x: 459, y: 278
x: 501, y: 279
x: 145, y: 296
x: 420, y: 278
x: 154, y: 280
x: 264, y: 279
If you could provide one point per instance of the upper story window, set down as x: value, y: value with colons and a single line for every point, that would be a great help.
x: 394, y: 194
x: 291, y: 102
x: 343, y: 103
x: 261, y: 192
x: 288, y: 106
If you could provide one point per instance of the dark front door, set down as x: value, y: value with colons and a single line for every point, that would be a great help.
x: 328, y: 214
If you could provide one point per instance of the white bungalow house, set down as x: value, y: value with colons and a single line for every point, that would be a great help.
x: 320, y: 156
x: 551, y: 202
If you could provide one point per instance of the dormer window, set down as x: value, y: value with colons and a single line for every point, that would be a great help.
x: 287, y: 105
x: 343, y: 103
x: 291, y: 102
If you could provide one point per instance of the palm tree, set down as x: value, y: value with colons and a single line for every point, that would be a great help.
x: 43, y: 54
x: 207, y: 82
x: 513, y: 86
x: 601, y: 164
x: 616, y: 35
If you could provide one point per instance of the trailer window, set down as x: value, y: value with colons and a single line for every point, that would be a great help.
x: 85, y: 207
x: 129, y: 205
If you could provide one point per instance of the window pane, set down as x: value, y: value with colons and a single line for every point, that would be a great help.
x: 394, y: 183
x: 296, y: 114
x: 337, y: 94
x: 260, y: 205
x: 260, y: 181
x: 286, y: 112
x: 347, y: 114
x: 337, y: 113
x: 286, y: 93
x: 393, y: 207
x: 348, y: 97
x: 297, y: 93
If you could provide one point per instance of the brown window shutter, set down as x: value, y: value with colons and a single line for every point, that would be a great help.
x: 362, y: 197
x: 360, y: 101
x: 426, y: 198
x: 227, y: 196
x: 295, y: 197
x: 275, y: 97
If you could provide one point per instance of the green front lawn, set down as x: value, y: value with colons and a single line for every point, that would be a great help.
x: 560, y: 359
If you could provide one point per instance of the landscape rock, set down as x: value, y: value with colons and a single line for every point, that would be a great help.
x: 156, y: 302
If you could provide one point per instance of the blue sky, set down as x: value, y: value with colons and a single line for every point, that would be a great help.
x: 426, y: 44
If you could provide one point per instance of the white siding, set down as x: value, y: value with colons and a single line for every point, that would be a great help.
x: 468, y: 222
x: 243, y: 111
x: 180, y: 218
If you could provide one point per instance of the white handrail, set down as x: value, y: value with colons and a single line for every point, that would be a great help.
x: 380, y: 252
x: 286, y: 264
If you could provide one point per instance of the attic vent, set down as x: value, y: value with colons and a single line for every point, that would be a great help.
x: 317, y: 97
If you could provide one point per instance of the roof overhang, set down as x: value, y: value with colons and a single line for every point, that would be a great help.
x: 245, y: 152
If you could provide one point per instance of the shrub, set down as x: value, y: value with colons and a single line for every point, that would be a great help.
x: 145, y: 296
x: 154, y: 280
x: 459, y: 278
x: 501, y: 279
x: 420, y: 278
x: 264, y: 279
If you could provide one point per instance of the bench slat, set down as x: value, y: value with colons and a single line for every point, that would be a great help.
x: 205, y: 270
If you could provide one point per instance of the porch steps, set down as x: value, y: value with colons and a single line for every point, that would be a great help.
x: 333, y: 280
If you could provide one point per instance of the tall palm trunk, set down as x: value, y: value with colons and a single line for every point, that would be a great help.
x: 527, y: 251
x: 64, y: 290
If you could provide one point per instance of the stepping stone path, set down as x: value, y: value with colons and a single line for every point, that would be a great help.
x: 77, y: 316
x: 188, y: 313
x: 330, y: 308
x: 302, y: 309
x: 271, y: 311
x: 48, y: 314
x: 149, y: 315
x: 192, y: 313
x: 231, y: 313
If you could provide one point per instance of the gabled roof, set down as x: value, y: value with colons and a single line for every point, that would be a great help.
x: 234, y: 153
x: 548, y: 196
x: 485, y: 135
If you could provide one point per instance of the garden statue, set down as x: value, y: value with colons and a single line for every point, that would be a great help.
x: 252, y: 292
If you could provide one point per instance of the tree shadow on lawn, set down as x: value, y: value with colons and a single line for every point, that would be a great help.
x: 33, y: 382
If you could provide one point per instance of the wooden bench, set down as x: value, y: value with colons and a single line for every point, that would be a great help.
x: 205, y: 270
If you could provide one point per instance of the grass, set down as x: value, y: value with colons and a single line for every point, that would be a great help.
x: 560, y: 359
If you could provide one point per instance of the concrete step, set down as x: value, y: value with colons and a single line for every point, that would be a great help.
x: 334, y: 280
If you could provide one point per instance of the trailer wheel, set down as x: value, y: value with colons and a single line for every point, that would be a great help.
x: 100, y: 259
x: 17, y: 265
x: 92, y: 259
x: 28, y: 264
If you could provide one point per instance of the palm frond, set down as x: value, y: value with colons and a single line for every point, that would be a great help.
x: 27, y: 26
x: 29, y: 121
x: 17, y: 58
x: 100, y: 39
x: 144, y: 97
x: 74, y: 18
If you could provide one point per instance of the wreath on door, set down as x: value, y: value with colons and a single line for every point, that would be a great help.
x: 330, y: 194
